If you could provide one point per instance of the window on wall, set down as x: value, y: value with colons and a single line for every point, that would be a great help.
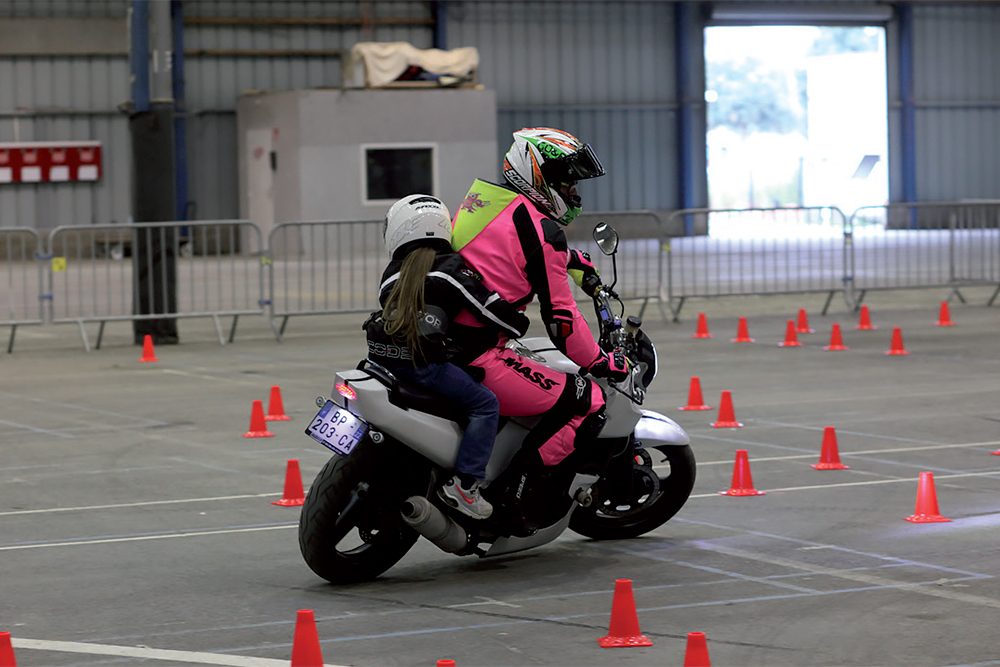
x: 394, y: 171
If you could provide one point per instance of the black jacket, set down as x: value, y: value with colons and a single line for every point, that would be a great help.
x: 450, y: 287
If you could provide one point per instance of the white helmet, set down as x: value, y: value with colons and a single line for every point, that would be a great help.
x: 416, y: 219
x: 541, y: 160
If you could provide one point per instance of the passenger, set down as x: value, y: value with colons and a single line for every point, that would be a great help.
x: 423, y: 288
x: 512, y: 234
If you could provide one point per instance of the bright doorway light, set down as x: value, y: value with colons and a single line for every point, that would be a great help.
x: 797, y: 116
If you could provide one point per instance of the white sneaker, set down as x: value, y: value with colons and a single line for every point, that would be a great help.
x: 467, y: 501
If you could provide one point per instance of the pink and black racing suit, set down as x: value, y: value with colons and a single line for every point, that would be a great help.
x: 520, y: 254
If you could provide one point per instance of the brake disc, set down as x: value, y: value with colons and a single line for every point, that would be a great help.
x: 645, y: 487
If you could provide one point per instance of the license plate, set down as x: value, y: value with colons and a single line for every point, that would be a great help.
x: 336, y: 428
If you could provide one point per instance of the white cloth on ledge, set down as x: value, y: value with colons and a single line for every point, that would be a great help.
x: 382, y: 62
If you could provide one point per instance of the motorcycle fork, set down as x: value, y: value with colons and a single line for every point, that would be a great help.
x: 346, y: 520
x: 617, y: 478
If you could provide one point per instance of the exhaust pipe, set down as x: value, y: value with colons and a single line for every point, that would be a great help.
x: 423, y: 517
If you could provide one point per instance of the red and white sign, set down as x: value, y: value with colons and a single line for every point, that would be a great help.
x: 50, y: 161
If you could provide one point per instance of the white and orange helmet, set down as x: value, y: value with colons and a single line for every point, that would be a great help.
x: 541, y: 160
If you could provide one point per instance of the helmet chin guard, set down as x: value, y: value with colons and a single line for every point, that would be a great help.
x: 543, y: 160
x: 416, y: 220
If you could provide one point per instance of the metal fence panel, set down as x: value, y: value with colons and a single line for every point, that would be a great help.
x: 21, y: 279
x: 640, y: 261
x: 939, y: 244
x: 324, y: 267
x: 756, y: 252
x: 216, y: 265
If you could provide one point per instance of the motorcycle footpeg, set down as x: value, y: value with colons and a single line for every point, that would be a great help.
x: 583, y: 497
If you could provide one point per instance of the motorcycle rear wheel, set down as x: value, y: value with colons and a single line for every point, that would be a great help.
x: 374, y: 536
x: 654, y: 503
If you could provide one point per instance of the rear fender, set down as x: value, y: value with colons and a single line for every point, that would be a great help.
x: 434, y: 437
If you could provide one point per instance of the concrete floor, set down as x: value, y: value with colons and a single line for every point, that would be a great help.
x: 136, y: 524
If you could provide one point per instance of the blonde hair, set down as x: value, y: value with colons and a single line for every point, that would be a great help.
x: 405, y: 304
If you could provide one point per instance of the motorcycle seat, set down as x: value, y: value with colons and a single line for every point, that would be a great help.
x: 410, y: 396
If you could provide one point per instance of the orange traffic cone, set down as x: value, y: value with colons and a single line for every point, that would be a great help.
x: 996, y: 453
x: 836, y: 342
x: 944, y: 318
x: 742, y: 480
x: 926, y: 510
x: 445, y: 662
x: 702, y: 331
x: 6, y: 651
x: 695, y: 401
x: 803, y: 323
x: 624, y: 630
x: 275, y: 410
x: 791, y: 340
x: 305, y: 647
x: 865, y: 323
x: 727, y: 418
x: 147, y: 349
x: 742, y: 332
x: 696, y: 654
x: 897, y: 343
x: 829, y: 457
x: 294, y: 495
x: 258, y: 427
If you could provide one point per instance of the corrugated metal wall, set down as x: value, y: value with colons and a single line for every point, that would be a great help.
x: 604, y: 70
x: 50, y: 98
x: 233, y: 47
x: 601, y: 70
x: 957, y: 99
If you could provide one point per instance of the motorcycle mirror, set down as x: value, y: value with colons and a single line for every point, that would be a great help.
x: 606, y: 238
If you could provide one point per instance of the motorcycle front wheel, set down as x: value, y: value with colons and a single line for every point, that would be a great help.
x: 350, y: 529
x: 654, y: 498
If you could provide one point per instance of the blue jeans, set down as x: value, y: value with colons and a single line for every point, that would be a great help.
x: 482, y: 406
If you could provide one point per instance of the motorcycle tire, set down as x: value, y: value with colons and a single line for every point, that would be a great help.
x: 621, y: 520
x: 377, y: 538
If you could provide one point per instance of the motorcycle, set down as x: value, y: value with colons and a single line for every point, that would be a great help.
x: 395, y: 443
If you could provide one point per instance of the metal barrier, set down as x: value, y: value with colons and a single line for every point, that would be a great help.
x: 216, y: 268
x: 89, y: 273
x: 640, y: 258
x: 323, y: 267
x: 21, y: 279
x: 326, y: 267
x: 938, y: 244
x: 756, y: 252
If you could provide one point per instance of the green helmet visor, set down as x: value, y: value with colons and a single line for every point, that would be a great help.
x: 576, y: 166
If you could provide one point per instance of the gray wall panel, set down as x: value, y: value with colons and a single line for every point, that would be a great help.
x: 957, y: 99
x: 601, y: 70
x: 66, y: 99
x: 213, y: 177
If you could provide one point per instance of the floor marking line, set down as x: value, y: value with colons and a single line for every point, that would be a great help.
x: 848, y: 550
x: 860, y: 577
x: 146, y: 653
x: 864, y: 452
x: 201, y: 376
x: 867, y: 435
x: 145, y: 538
x: 33, y: 429
x: 139, y: 504
x: 991, y: 473
x: 83, y: 408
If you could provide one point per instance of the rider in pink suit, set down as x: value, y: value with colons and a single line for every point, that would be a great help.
x: 512, y: 234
